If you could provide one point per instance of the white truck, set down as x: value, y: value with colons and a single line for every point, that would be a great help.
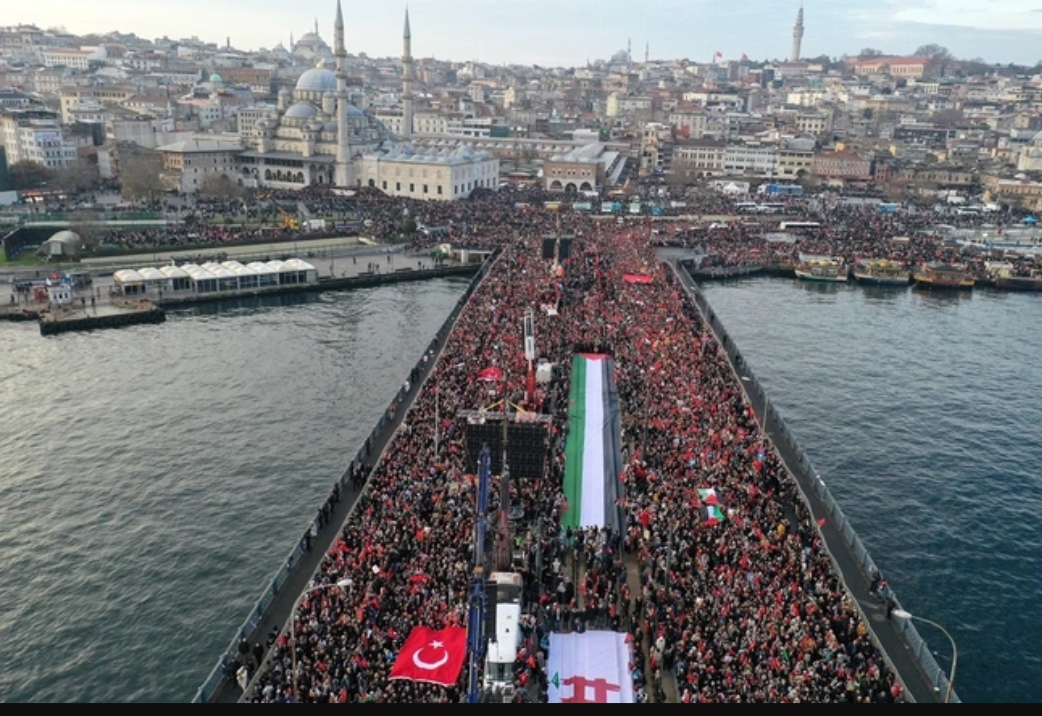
x: 501, y: 651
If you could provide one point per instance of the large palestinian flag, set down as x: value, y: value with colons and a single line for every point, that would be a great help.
x: 593, y: 454
x: 593, y: 667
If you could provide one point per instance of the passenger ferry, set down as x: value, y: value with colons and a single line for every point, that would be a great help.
x: 882, y: 272
x: 943, y: 275
x: 821, y: 268
x: 1006, y: 276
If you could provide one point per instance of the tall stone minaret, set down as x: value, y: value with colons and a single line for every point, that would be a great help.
x: 407, y: 79
x: 797, y: 36
x: 344, y: 172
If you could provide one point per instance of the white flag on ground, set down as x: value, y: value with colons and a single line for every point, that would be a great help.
x: 590, y: 668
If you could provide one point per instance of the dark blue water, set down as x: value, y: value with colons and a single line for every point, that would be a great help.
x: 153, y: 479
x: 921, y: 412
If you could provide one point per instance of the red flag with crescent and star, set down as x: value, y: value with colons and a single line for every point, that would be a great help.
x: 432, y: 656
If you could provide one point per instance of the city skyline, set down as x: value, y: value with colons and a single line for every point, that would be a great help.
x: 537, y: 32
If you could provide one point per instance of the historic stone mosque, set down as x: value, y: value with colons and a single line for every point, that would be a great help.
x: 316, y: 135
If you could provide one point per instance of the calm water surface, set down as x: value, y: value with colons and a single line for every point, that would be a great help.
x: 920, y: 411
x: 153, y: 479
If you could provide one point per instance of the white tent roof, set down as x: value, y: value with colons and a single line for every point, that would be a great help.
x: 259, y: 267
x: 238, y: 269
x: 298, y: 265
x: 152, y: 274
x: 218, y: 270
x: 173, y: 272
x: 197, y: 273
x: 127, y: 276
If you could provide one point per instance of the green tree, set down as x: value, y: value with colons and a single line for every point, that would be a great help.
x: 29, y: 175
x: 870, y: 52
x: 139, y: 177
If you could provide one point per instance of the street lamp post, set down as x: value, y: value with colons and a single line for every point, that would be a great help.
x: 902, y: 614
x: 293, y: 624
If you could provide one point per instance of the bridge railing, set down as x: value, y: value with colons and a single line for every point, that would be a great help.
x: 219, y: 672
x: 780, y: 433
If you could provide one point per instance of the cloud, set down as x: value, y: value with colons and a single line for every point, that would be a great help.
x: 976, y: 14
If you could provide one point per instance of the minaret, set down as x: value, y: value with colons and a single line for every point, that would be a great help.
x: 343, y: 136
x: 797, y: 36
x: 407, y: 79
x: 647, y: 52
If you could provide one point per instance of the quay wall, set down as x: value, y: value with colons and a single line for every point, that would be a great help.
x: 361, y: 280
x: 274, y: 605
x: 837, y: 534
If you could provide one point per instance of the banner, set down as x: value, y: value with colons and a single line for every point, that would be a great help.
x: 491, y: 374
x: 593, y: 452
x: 589, y: 668
x: 432, y: 656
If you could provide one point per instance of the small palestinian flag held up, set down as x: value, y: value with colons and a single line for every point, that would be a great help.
x: 708, y: 496
x: 714, y: 515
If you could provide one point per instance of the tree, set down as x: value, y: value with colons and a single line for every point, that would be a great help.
x: 219, y: 186
x: 139, y: 177
x: 78, y: 177
x: 29, y: 175
x: 934, y: 52
x: 87, y: 225
x: 870, y: 52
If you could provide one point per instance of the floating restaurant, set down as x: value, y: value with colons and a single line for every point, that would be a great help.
x: 212, y: 278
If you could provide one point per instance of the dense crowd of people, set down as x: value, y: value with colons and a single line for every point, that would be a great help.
x: 747, y: 609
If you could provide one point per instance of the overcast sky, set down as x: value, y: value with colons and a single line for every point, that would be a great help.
x: 568, y: 32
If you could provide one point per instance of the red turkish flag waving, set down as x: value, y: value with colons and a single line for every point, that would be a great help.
x: 432, y: 656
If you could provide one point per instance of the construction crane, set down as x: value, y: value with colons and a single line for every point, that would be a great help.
x: 288, y: 221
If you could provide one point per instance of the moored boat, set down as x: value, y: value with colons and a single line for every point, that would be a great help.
x: 882, y: 272
x: 1006, y: 276
x: 821, y: 268
x: 938, y: 274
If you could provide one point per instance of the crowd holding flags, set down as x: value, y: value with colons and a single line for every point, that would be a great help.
x: 432, y: 656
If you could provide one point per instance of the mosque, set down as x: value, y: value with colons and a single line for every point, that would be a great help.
x: 316, y: 135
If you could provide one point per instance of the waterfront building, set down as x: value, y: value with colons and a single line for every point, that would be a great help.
x: 315, y: 134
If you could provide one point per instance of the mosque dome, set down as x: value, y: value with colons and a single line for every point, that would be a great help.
x: 317, y: 80
x: 354, y: 113
x: 301, y: 110
x: 216, y: 79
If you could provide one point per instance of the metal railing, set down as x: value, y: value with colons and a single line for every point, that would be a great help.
x: 209, y: 686
x: 780, y: 433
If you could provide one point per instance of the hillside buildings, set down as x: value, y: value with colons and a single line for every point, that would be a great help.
x: 307, y: 112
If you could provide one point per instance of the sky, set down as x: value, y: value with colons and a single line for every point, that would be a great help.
x: 568, y: 33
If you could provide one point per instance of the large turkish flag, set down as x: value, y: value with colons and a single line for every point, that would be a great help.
x: 433, y: 656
